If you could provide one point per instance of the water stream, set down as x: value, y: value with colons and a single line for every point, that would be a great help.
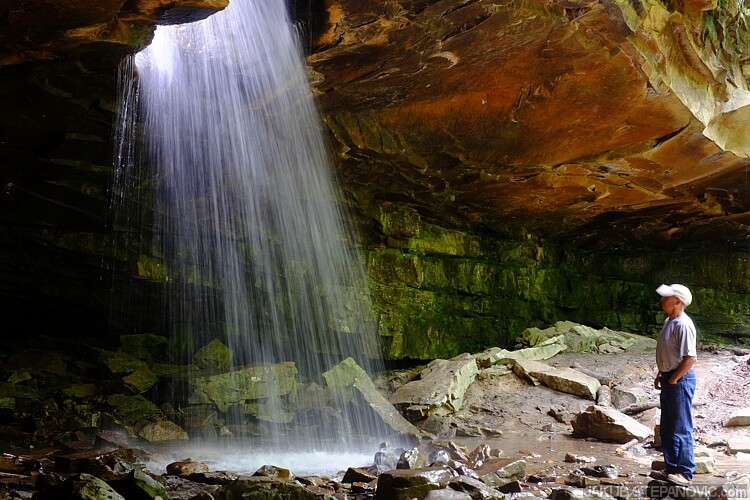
x: 256, y: 250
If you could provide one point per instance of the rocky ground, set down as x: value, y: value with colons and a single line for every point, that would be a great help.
x: 522, y: 412
x: 504, y: 420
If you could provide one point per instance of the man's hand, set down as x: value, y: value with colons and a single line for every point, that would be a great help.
x: 657, y: 381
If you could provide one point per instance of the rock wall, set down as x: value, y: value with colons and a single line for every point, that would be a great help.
x: 440, y: 292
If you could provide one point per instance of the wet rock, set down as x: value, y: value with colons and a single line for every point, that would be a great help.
x: 447, y: 494
x: 403, y: 484
x: 609, y: 471
x: 145, y: 346
x: 580, y: 480
x: 609, y: 424
x: 571, y: 493
x: 163, y: 430
x: 358, y: 475
x: 213, y: 477
x: 439, y: 390
x: 140, y: 484
x: 387, y: 457
x: 501, y: 471
x: 479, y: 455
x: 570, y: 458
x: 187, y: 467
x: 349, y: 374
x: 120, y: 362
x: 80, y: 486
x: 249, y: 383
x: 740, y: 417
x: 214, y: 357
x: 411, y: 459
x: 474, y: 488
x: 265, y: 487
x: 274, y: 471
x: 133, y: 411
x: 140, y: 380
x: 565, y: 380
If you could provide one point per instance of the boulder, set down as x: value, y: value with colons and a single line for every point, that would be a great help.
x: 545, y: 350
x: 439, y: 390
x: 404, y: 484
x: 501, y: 471
x: 348, y: 374
x: 565, y: 380
x: 608, y: 424
x: 245, y: 384
x: 740, y: 417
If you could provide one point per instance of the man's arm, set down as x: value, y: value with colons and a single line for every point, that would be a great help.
x: 685, y: 365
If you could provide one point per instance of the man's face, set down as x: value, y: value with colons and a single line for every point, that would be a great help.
x: 669, y: 304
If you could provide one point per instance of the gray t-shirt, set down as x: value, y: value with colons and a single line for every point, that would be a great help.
x: 676, y: 340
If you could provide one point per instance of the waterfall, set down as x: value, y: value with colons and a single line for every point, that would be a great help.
x: 256, y: 250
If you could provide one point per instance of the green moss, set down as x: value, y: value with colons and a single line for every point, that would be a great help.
x: 152, y: 269
x: 432, y: 303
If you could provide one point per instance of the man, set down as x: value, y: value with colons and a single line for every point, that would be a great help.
x: 675, y: 357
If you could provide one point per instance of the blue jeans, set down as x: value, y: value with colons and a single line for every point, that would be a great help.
x: 677, y: 424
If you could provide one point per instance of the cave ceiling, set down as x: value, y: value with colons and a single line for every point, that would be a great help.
x: 600, y: 122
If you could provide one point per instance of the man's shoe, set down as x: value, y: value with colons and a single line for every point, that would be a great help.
x: 678, y: 479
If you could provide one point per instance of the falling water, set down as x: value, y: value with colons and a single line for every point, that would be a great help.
x: 256, y: 250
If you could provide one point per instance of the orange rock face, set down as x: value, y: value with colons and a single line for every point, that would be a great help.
x: 540, y: 114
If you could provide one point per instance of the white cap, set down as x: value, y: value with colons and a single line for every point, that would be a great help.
x: 680, y: 291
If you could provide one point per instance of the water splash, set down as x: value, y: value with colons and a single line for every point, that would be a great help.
x: 256, y: 249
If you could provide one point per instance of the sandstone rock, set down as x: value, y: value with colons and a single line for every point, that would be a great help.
x: 501, y: 471
x: 264, y: 487
x: 582, y: 338
x: 705, y: 465
x: 143, y: 345
x: 186, y: 467
x: 83, y: 486
x: 562, y: 379
x: 245, y: 384
x: 140, y: 380
x: 609, y: 424
x: 738, y: 445
x: 163, y: 430
x: 440, y: 388
x: 214, y: 357
x: 447, y: 494
x: 496, y: 355
x: 349, y: 374
x: 474, y: 488
x: 738, y: 418
x: 404, y: 484
x: 120, y: 362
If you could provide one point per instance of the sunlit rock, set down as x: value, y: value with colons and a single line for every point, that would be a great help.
x: 403, y: 484
x: 561, y: 379
x: 609, y: 424
x: 186, y: 467
x: 501, y: 471
x: 740, y: 417
x: 545, y: 350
